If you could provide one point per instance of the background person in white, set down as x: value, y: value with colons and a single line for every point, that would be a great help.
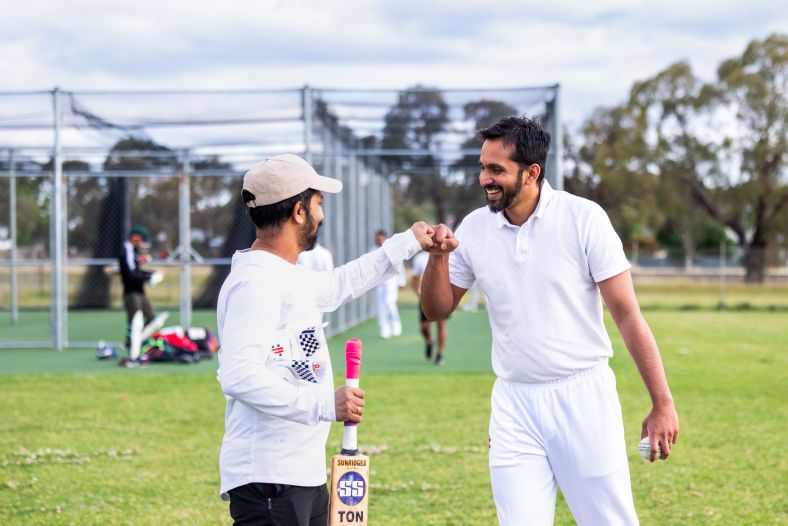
x: 319, y: 258
x: 542, y: 257
x: 274, y: 365
x: 386, y: 294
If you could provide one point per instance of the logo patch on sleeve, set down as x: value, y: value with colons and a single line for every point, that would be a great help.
x: 318, y: 368
x: 277, y: 350
x: 309, y: 341
x: 302, y: 369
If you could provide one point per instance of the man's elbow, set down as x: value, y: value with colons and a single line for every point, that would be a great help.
x: 435, y: 312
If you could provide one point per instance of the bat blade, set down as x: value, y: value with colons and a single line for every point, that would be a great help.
x: 135, y: 340
x: 349, y: 491
x: 349, y: 499
x: 153, y: 326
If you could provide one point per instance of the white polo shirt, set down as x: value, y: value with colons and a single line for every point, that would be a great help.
x: 540, y: 279
x: 274, y: 366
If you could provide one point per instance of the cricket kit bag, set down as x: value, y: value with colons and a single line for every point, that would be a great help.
x: 176, y: 344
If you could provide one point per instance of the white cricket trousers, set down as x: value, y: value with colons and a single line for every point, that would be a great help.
x: 388, y: 315
x: 569, y: 434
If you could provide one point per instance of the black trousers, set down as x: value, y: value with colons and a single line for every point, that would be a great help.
x: 260, y: 504
x: 134, y: 301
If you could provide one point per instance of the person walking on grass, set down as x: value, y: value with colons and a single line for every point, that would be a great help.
x: 274, y: 366
x: 543, y: 258
x: 418, y: 264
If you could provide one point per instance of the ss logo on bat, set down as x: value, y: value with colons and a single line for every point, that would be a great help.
x: 351, y: 488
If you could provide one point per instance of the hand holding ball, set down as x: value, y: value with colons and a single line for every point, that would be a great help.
x: 644, y: 448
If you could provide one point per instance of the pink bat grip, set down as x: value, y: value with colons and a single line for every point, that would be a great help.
x: 353, y: 358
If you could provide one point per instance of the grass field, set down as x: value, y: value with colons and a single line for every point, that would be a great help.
x: 88, y: 443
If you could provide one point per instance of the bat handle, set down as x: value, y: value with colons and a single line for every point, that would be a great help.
x: 352, y: 373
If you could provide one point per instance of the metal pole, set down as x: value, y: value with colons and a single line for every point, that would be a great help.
x: 306, y: 104
x: 722, y: 273
x: 388, y: 219
x: 353, y: 201
x: 343, y: 255
x: 184, y: 235
x: 56, y: 232
x: 12, y: 226
x: 557, y: 172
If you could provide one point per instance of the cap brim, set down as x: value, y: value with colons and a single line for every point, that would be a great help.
x: 327, y: 184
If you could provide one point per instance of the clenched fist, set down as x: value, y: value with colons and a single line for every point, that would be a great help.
x: 443, y: 240
x: 423, y: 233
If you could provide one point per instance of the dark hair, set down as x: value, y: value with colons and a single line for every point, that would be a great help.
x: 381, y: 232
x: 531, y: 141
x: 272, y: 216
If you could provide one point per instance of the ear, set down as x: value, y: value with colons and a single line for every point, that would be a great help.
x: 533, y: 173
x: 298, y: 214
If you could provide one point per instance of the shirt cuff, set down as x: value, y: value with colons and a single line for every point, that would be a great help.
x: 402, y: 246
x: 328, y: 411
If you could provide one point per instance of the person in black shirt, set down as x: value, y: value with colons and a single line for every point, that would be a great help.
x: 134, y: 278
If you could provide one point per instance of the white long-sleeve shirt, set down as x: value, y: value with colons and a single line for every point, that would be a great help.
x: 274, y: 365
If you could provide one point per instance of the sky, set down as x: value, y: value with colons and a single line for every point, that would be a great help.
x: 595, y: 50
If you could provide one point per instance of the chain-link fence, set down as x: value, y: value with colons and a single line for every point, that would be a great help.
x: 78, y: 169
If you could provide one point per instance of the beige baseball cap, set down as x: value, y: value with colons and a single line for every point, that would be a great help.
x: 283, y: 176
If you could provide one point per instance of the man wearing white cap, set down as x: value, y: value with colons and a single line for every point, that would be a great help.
x: 274, y: 366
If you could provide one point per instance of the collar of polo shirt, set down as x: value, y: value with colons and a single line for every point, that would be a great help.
x: 545, y: 195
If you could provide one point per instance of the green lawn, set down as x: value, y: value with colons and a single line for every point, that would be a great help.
x: 89, y: 443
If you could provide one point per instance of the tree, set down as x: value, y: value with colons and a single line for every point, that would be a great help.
x: 412, y: 129
x: 109, y: 229
x: 612, y: 167
x: 756, y: 85
x: 212, y: 215
x: 674, y: 106
x: 678, y: 136
x: 695, y: 141
x: 240, y: 235
x: 32, y: 207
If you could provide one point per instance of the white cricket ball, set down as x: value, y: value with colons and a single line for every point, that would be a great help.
x: 644, y: 448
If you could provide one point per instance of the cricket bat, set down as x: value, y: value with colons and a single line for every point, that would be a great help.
x: 156, y: 324
x: 135, y: 340
x: 349, y: 489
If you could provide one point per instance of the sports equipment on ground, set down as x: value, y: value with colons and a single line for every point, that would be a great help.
x: 349, y: 487
x: 105, y: 351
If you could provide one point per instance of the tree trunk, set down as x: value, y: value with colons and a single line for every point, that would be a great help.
x: 755, y: 264
x: 94, y: 290
x: 240, y: 236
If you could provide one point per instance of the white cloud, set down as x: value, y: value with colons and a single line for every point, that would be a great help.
x: 594, y: 49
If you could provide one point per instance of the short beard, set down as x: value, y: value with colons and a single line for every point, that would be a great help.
x: 306, y: 239
x: 508, y: 198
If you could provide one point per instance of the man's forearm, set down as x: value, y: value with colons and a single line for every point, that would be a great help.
x: 437, y: 298
x: 643, y: 348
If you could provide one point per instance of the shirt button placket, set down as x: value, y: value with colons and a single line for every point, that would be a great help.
x: 522, y: 241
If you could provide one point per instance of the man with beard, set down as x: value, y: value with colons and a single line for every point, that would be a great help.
x: 542, y: 258
x: 274, y: 365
